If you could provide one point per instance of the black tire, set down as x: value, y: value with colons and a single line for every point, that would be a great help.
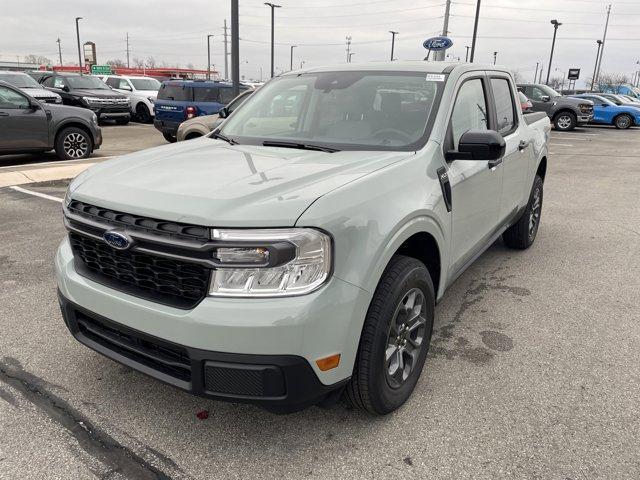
x: 169, y: 138
x: 73, y: 143
x: 122, y: 121
x: 565, y: 121
x: 522, y: 234
x: 143, y: 114
x: 623, y: 121
x: 193, y: 135
x: 372, y: 386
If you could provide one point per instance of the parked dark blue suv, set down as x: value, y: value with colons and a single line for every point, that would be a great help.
x: 180, y: 100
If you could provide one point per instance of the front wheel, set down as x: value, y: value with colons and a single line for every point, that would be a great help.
x: 73, y: 143
x: 522, y: 234
x: 143, y: 114
x: 623, y: 121
x: 565, y: 121
x: 395, y: 338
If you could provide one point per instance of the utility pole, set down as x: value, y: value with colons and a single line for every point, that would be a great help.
x: 226, y: 52
x: 128, y: 51
x: 466, y: 58
x: 475, y: 32
x: 604, y: 39
x: 595, y: 67
x: 540, y: 78
x: 393, y: 42
x: 235, y: 48
x: 59, y: 50
x: 209, y: 56
x: 535, y: 75
x: 439, y: 56
x: 348, y: 38
x: 495, y: 57
x: 273, y: 7
x: 291, y: 61
x: 79, y: 50
x: 555, y: 24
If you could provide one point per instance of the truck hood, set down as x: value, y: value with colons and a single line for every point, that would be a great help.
x: 39, y: 92
x: 209, y: 182
x: 97, y: 92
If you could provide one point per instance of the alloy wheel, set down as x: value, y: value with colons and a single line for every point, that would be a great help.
x: 75, y: 145
x: 405, y: 339
x: 536, y: 210
x: 564, y: 122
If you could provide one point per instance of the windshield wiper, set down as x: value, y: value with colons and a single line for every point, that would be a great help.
x: 230, y: 141
x: 301, y: 146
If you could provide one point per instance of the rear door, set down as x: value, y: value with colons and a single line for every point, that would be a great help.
x: 475, y: 186
x: 173, y: 99
x: 21, y: 127
x: 515, y: 163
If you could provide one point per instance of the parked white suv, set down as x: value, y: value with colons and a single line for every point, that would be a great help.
x: 142, y: 91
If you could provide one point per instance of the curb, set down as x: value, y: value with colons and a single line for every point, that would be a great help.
x: 21, y: 177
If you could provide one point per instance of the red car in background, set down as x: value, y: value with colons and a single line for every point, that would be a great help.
x: 525, y: 103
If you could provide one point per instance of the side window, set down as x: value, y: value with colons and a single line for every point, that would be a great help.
x: 226, y: 95
x: 10, y: 99
x: 470, y: 110
x: 528, y: 91
x: 48, y: 82
x: 206, y: 94
x: 113, y: 82
x: 123, y: 84
x: 537, y: 94
x: 505, y: 108
x: 58, y: 82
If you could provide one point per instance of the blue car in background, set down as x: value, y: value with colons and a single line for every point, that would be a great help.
x: 180, y: 100
x: 605, y: 112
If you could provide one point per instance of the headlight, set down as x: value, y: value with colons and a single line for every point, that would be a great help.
x: 58, y: 100
x: 270, y: 262
x: 67, y: 196
x: 151, y: 99
x: 90, y: 99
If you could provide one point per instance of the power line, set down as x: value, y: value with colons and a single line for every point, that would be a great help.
x: 359, y: 14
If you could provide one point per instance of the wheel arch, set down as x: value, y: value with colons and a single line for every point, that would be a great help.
x: 76, y: 124
x: 564, y: 110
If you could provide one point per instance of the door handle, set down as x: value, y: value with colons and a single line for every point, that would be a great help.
x: 523, y: 144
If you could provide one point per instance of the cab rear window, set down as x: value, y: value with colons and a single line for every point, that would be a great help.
x: 175, y: 92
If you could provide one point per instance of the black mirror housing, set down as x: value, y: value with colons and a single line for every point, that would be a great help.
x: 478, y: 145
x: 224, y: 112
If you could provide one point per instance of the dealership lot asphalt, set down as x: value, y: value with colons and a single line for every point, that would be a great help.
x: 534, y: 369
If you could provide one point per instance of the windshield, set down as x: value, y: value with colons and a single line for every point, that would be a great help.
x: 19, y: 80
x: 549, y: 91
x: 145, y: 83
x: 353, y: 110
x: 86, y: 81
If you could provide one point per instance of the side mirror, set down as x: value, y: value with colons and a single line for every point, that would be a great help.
x: 126, y: 87
x: 64, y: 88
x: 224, y: 112
x: 34, y: 105
x: 478, y: 145
x: 604, y: 104
x: 545, y: 98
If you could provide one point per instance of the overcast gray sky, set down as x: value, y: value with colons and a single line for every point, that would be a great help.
x: 175, y: 31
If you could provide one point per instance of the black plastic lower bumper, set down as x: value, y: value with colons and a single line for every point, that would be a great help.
x: 283, y: 383
x: 166, y: 126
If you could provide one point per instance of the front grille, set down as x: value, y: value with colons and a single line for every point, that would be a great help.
x: 108, y: 101
x: 137, y: 222
x: 170, y: 282
x: 47, y: 99
x: 161, y: 356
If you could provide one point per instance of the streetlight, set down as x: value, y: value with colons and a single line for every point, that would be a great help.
x: 475, y: 32
x: 209, y: 56
x: 495, y: 57
x: 555, y: 24
x: 535, y: 75
x: 291, y: 60
x: 466, y: 58
x: 393, y: 41
x: 79, y: 50
x: 351, y: 54
x: 273, y: 7
x: 595, y: 68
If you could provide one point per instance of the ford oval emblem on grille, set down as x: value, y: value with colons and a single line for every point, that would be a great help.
x: 117, y: 240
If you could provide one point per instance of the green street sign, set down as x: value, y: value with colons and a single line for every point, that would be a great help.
x: 101, y: 69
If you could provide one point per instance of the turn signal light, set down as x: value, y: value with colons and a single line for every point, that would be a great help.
x: 190, y: 112
x: 328, y: 363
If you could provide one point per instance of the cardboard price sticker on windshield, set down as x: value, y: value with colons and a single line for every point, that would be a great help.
x: 435, y: 77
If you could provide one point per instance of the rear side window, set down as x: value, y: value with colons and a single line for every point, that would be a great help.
x: 207, y: 94
x: 178, y: 92
x: 505, y: 106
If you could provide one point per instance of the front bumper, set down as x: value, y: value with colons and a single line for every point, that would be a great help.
x: 288, y: 334
x: 582, y: 119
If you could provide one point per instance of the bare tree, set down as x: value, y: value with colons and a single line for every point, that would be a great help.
x: 190, y: 66
x: 517, y: 76
x: 151, y: 62
x: 138, y: 62
x: 611, y: 82
x: 39, y: 59
x: 116, y: 63
x: 556, y: 82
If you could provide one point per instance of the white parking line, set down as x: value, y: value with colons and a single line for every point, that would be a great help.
x: 36, y: 194
x: 561, y: 144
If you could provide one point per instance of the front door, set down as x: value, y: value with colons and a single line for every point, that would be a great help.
x: 475, y: 187
x: 21, y: 126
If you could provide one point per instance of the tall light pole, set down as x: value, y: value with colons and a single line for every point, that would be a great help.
x: 393, y: 42
x: 59, y: 50
x: 604, y: 39
x: 79, y: 50
x: 541, y: 69
x: 475, y: 32
x: 440, y: 55
x: 209, y: 56
x: 351, y: 54
x: 495, y: 57
x: 555, y: 24
x: 273, y: 7
x: 466, y: 58
x: 595, y: 67
x: 535, y: 75
x: 348, y: 39
x: 226, y: 52
x: 291, y: 59
x: 235, y: 48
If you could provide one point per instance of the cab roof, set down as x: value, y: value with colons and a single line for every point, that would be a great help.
x: 404, y: 66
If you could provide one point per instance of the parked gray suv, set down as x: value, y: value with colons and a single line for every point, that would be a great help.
x: 565, y: 113
x: 27, y: 125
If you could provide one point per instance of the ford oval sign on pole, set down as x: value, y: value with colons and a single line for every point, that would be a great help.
x: 438, y: 43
